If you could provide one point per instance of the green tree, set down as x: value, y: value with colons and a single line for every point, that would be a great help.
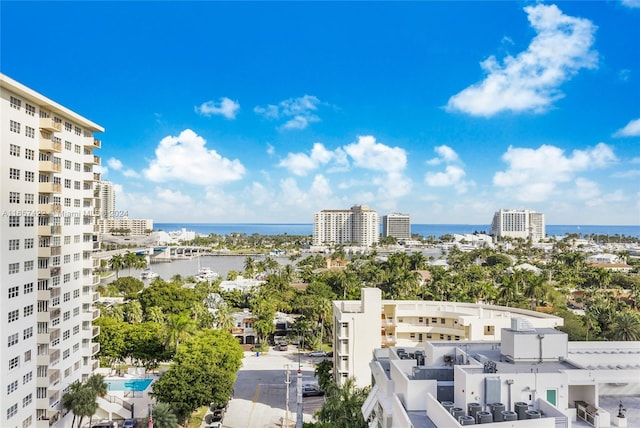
x: 178, y: 328
x: 80, y: 398
x: 133, y: 312
x: 163, y: 417
x: 203, y: 370
x: 342, y: 407
x: 116, y: 262
x: 112, y: 339
x: 626, y: 326
x: 145, y: 345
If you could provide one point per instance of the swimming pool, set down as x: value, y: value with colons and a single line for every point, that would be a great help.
x: 127, y: 384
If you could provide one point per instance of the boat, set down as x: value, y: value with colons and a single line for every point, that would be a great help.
x: 148, y: 274
x: 206, y: 274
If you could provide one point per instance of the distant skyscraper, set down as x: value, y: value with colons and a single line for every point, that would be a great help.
x: 523, y: 224
x: 396, y: 225
x: 48, y: 235
x: 107, y: 197
x: 359, y: 226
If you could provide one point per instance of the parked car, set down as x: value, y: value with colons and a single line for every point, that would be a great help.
x: 311, y: 390
x: 130, y: 423
x: 317, y: 354
x: 282, y: 346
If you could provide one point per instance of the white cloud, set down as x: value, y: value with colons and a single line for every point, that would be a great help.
x: 226, y: 107
x: 530, y: 80
x: 172, y: 197
x: 631, y: 3
x: 632, y: 129
x: 186, y: 158
x: 302, y: 164
x: 632, y: 173
x: 534, y: 174
x: 114, y: 163
x: 445, y: 154
x: 586, y: 189
x: 369, y: 154
x: 298, y: 113
x: 270, y: 149
x: 130, y: 173
x: 101, y: 169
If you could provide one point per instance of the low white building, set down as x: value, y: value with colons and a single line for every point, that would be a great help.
x: 533, y: 377
x: 240, y: 283
x: 360, y: 326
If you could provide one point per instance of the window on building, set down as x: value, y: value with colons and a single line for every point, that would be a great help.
x: 67, y: 126
x: 14, y: 126
x: 27, y: 400
x: 11, y: 411
x: 14, y: 362
x: 15, y: 103
x: 13, y: 292
x: 28, y: 221
x: 27, y: 333
x: 14, y: 197
x: 29, y: 109
x: 14, y: 150
x: 27, y: 311
x: 29, y: 132
x: 27, y: 377
x: 14, y: 268
x: 29, y: 154
x: 14, y: 221
x: 28, y: 243
x: 14, y: 174
x: 28, y: 265
x: 29, y: 176
x: 67, y: 183
x: 29, y: 198
x: 67, y: 145
x: 28, y: 288
x: 489, y: 330
x: 12, y: 339
x: 14, y: 244
x: 76, y: 329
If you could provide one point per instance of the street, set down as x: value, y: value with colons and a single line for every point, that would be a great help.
x: 260, y: 391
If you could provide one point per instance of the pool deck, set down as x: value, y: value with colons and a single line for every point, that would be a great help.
x: 139, y: 399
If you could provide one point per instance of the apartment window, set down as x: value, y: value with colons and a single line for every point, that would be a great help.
x: 412, y: 335
x: 28, y: 288
x: 67, y: 221
x: 30, y: 132
x: 76, y: 311
x: 13, y: 292
x: 28, y: 243
x: 41, y: 392
x: 12, y: 387
x: 76, y: 347
x: 76, y: 258
x: 442, y: 337
x: 67, y: 145
x: 12, y: 339
x: 67, y: 202
x: 66, y: 335
x: 27, y: 356
x: 66, y: 297
x: 27, y: 378
x: 67, y: 372
x: 29, y: 176
x: 65, y: 354
x: 421, y: 320
x: 76, y: 221
x: 428, y: 335
x: 14, y: 362
x: 489, y: 330
x: 67, y: 164
x: 76, y: 329
x: 77, y: 167
x: 29, y: 154
x: 76, y: 185
x: 14, y: 174
x: 27, y: 422
x: 14, y: 244
x: 14, y: 197
x: 27, y: 333
x: 29, y: 109
x: 29, y: 198
x: 11, y: 411
x: 14, y: 268
x: 27, y: 400
x: 76, y: 203
x: 76, y: 239
x: 67, y: 183
x: 15, y: 103
x: 66, y: 316
x: 14, y: 126
x: 77, y: 149
x: 14, y: 221
x: 28, y: 265
x: 76, y: 293
x: 28, y: 221
x: 27, y: 311
x: 77, y: 130
x: 14, y: 150
x: 67, y: 126
x: 442, y: 320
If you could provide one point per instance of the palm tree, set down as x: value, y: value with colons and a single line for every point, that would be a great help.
x: 116, y: 262
x: 130, y: 260
x: 99, y: 387
x: 163, y: 417
x: 342, y: 408
x: 249, y: 266
x: 224, y: 318
x: 179, y: 327
x: 154, y: 314
x: 133, y: 312
x: 626, y: 326
x: 81, y: 400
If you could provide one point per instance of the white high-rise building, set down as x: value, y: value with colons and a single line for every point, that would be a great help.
x: 358, y: 226
x: 523, y: 224
x: 107, y: 201
x: 48, y: 232
x: 396, y: 225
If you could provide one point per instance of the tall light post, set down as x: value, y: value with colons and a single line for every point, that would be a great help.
x: 299, y: 388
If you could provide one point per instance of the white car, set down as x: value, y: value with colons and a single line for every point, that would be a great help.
x: 317, y: 354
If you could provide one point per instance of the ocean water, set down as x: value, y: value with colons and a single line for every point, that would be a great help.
x: 436, y: 230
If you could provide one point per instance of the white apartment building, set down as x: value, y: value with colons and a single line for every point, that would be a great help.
x: 48, y: 232
x: 136, y: 226
x: 359, y: 225
x: 523, y: 224
x: 533, y: 377
x: 396, y: 225
x: 107, y: 199
x: 360, y: 326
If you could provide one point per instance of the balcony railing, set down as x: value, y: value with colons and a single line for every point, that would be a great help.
x: 49, y: 187
x: 47, y: 144
x: 49, y: 208
x: 49, y: 166
x: 48, y: 124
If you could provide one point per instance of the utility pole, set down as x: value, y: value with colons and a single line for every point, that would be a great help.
x: 299, y: 400
x: 287, y: 382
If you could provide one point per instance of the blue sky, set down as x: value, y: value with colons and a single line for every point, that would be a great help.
x: 269, y: 112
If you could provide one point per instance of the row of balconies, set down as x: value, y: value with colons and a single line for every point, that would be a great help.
x: 49, y: 166
x: 49, y: 208
x: 47, y: 143
x: 49, y: 230
x: 48, y: 273
x: 49, y: 187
